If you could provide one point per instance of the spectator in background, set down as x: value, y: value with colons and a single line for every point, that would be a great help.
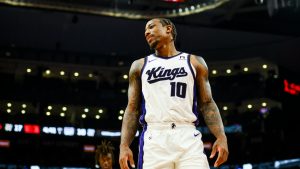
x: 104, y: 155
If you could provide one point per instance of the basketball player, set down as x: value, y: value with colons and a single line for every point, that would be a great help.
x: 104, y: 155
x: 170, y: 87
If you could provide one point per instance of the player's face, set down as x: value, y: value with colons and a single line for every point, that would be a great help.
x: 105, y: 161
x: 155, y: 33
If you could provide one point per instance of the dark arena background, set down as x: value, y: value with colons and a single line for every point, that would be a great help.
x: 64, y: 76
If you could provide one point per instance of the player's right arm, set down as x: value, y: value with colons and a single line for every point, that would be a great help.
x: 130, y: 119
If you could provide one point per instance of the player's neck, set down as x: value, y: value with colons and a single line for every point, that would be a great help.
x: 167, y: 50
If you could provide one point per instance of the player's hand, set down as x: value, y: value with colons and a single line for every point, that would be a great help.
x: 125, y: 156
x: 220, y: 146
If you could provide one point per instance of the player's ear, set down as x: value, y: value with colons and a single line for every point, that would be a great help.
x: 169, y: 28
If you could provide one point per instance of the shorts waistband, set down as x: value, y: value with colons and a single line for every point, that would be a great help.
x: 170, y: 125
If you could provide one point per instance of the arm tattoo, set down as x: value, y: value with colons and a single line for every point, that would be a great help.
x: 130, y: 120
x: 212, y: 118
x: 129, y: 127
x: 207, y: 105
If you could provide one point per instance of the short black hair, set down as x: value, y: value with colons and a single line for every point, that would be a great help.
x: 104, y: 148
x: 165, y: 22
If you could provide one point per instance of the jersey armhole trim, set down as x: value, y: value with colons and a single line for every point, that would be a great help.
x: 145, y: 63
x: 191, y: 66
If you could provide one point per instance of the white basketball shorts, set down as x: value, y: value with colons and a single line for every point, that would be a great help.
x: 171, y: 146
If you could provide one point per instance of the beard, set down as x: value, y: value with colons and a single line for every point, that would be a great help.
x: 153, y: 45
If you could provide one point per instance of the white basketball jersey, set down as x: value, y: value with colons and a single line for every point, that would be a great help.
x: 168, y: 90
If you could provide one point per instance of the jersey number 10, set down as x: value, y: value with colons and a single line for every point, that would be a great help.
x: 178, y: 89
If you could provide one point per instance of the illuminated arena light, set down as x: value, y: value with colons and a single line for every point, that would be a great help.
x: 24, y: 106
x: 28, y: 70
x: 64, y: 108
x: 291, y: 88
x: 5, y: 143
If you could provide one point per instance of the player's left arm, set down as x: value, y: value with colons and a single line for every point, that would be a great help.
x: 210, y: 111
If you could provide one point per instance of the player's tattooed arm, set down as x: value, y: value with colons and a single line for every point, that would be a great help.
x: 130, y: 119
x: 206, y: 104
x: 210, y: 111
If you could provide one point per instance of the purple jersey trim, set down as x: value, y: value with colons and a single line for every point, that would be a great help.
x: 141, y: 148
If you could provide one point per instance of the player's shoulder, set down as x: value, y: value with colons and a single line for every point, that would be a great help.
x: 198, y: 61
x: 137, y: 65
x: 139, y: 61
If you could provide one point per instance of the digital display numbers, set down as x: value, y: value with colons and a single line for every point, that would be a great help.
x: 63, y: 131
